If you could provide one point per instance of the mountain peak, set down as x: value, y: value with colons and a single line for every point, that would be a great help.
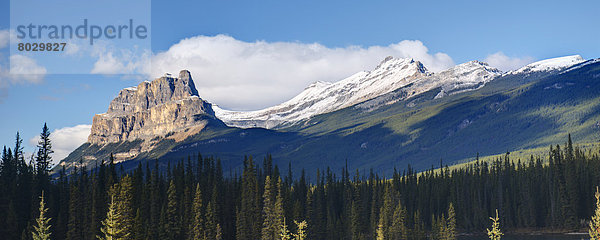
x: 323, y: 97
x: 471, y: 66
x: 186, y: 79
x: 390, y: 63
x: 476, y: 62
x: 150, y: 109
x: 149, y: 94
x: 388, y: 58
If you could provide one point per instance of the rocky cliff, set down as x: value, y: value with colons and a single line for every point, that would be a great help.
x: 152, y: 109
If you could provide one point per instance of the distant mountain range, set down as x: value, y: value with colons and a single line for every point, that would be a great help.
x: 397, y: 114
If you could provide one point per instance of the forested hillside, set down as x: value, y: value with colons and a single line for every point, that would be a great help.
x: 191, y: 197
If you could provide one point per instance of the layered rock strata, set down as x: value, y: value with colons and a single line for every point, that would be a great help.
x: 152, y: 109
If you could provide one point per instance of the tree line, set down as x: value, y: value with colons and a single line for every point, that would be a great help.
x: 192, y: 199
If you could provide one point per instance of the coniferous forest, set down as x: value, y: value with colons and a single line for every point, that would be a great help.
x: 192, y: 199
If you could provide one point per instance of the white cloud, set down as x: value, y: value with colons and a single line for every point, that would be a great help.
x: 415, y: 49
x: 23, y: 68
x: 114, y: 60
x: 236, y: 74
x: 4, y: 38
x: 73, y: 47
x: 8, y: 36
x: 108, y: 64
x: 251, y: 75
x: 500, y: 61
x: 65, y: 140
x: 19, y: 64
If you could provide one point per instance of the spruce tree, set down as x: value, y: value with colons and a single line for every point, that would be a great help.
x: 186, y: 209
x: 171, y: 216
x: 418, y: 231
x: 8, y: 184
x: 356, y: 219
x: 155, y: 205
x: 42, y: 230
x: 270, y: 229
x: 301, y: 233
x: 197, y: 229
x: 438, y: 227
x: 450, y: 231
x: 124, y: 192
x: 248, y: 220
x: 76, y: 212
x: 97, y: 206
x: 18, y: 150
x: 594, y: 230
x: 398, y: 229
x: 43, y: 157
x: 211, y: 222
x: 285, y: 233
x: 386, y: 214
x: 279, y: 210
x: 110, y: 226
x: 219, y: 232
x: 43, y: 161
x: 138, y: 226
x: 495, y: 233
x: 379, y: 231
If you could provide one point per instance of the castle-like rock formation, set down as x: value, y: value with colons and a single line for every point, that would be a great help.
x: 157, y: 108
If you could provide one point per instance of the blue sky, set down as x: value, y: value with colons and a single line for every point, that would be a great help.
x: 522, y: 31
x: 465, y: 30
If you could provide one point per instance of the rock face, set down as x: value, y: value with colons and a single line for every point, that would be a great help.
x: 165, y: 105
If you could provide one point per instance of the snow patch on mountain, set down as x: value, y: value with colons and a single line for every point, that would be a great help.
x: 583, y: 64
x: 464, y: 77
x: 552, y: 64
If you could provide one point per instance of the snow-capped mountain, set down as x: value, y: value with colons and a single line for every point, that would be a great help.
x: 323, y: 97
x: 464, y: 77
x: 548, y: 65
x: 389, y: 75
x: 460, y: 78
x: 376, y: 88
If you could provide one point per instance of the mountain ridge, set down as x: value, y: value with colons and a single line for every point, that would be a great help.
x: 407, y: 125
x: 552, y: 64
x: 389, y: 75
